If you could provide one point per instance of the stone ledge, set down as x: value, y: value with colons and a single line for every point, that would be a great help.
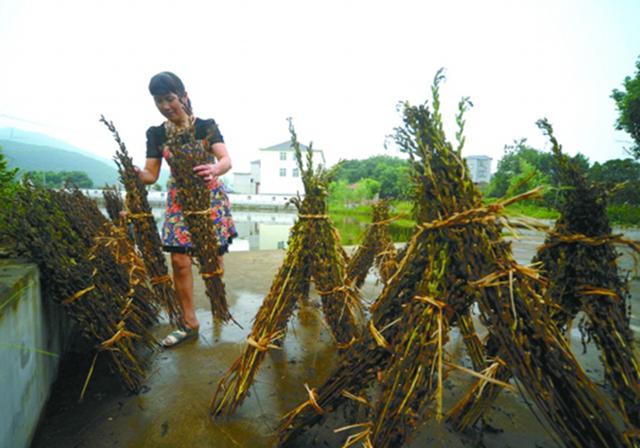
x: 33, y: 335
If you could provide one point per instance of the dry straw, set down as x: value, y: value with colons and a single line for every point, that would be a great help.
x: 145, y: 230
x: 314, y: 252
x: 376, y: 249
x: 194, y: 197
x: 113, y: 204
x: 456, y: 258
x: 580, y: 260
x: 91, y: 269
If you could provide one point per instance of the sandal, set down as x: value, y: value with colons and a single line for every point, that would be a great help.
x: 178, y: 336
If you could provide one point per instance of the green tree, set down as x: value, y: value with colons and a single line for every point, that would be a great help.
x: 527, y: 178
x: 53, y: 179
x: 8, y: 185
x: 519, y: 160
x: 344, y: 193
x: 615, y: 171
x: 367, y: 189
x: 77, y: 178
x: 340, y: 192
x: 628, y: 103
x: 391, y: 172
x: 7, y: 176
x: 622, y: 177
x: 523, y: 167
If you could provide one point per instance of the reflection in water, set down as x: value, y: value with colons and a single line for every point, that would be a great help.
x: 259, y: 230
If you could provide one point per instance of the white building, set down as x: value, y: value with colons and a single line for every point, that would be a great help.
x: 248, y: 183
x: 479, y: 168
x: 275, y: 172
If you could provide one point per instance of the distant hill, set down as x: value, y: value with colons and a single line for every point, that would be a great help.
x: 33, y: 151
x: 30, y: 157
x: 36, y: 138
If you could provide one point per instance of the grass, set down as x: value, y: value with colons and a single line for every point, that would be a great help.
x: 338, y: 208
x: 532, y: 210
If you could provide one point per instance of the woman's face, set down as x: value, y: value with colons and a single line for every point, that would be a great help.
x: 170, y: 107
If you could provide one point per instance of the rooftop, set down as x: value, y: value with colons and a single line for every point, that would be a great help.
x: 479, y: 157
x: 286, y: 146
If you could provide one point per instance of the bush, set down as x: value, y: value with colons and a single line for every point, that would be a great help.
x: 349, y: 195
x: 625, y: 214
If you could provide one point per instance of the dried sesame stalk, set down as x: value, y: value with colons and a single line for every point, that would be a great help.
x: 457, y: 257
x: 314, y: 252
x: 194, y: 197
x: 145, y: 230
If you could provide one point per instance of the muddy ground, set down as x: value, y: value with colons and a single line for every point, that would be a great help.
x: 172, y: 408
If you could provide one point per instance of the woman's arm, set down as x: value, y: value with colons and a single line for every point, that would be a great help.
x: 149, y: 175
x: 212, y: 170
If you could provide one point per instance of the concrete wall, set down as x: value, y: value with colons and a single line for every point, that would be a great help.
x: 158, y: 201
x: 248, y: 183
x: 259, y: 201
x: 33, y: 333
x: 243, y: 183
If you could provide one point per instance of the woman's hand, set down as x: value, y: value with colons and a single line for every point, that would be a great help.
x: 208, y: 172
x: 143, y: 175
x: 149, y: 174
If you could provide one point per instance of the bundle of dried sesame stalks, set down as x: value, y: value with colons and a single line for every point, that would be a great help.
x: 376, y: 249
x: 327, y: 260
x: 89, y: 267
x: 113, y: 204
x: 145, y: 230
x: 580, y: 259
x: 194, y: 197
x: 121, y: 260
x: 314, y: 252
x: 455, y: 258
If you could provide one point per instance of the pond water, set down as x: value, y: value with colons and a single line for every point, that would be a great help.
x: 265, y: 230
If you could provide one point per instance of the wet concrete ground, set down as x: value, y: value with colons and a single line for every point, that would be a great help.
x: 172, y: 409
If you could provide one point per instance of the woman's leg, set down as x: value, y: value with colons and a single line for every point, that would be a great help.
x: 183, y: 282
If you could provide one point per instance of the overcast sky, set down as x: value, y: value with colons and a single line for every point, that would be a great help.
x: 338, y: 68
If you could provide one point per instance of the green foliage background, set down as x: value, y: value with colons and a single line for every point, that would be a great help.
x: 628, y: 103
x: 58, y: 179
x: 384, y: 175
x: 7, y: 176
x: 523, y: 167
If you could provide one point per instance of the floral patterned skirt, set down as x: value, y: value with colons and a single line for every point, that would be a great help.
x: 175, y: 233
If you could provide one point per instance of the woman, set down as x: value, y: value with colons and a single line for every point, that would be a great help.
x: 172, y: 101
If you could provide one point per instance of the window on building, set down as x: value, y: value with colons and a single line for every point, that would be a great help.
x: 295, y: 172
x: 283, y: 172
x: 283, y: 155
x: 280, y: 244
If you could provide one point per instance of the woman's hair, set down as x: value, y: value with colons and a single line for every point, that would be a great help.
x: 167, y: 82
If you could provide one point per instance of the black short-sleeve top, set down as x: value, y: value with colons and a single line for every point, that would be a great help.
x: 157, y: 137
